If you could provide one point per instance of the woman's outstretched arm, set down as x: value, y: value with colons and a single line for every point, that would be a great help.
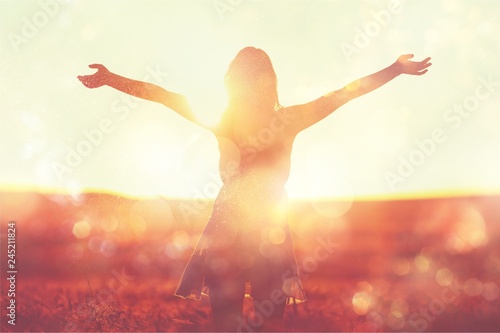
x: 144, y: 90
x: 305, y: 115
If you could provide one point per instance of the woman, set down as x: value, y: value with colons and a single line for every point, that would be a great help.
x: 247, y: 242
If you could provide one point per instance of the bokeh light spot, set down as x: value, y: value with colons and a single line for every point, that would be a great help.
x: 401, y: 306
x: 137, y: 225
x: 276, y: 235
x: 81, y: 229
x: 361, y: 303
x: 468, y: 233
x: 490, y: 291
x: 492, y: 263
x: 375, y: 319
x: 171, y: 251
x: 444, y: 277
x: 95, y: 243
x: 180, y: 239
x: 364, y: 286
x: 109, y: 224
x: 473, y: 287
x: 395, y: 320
x: 422, y: 263
x: 109, y: 248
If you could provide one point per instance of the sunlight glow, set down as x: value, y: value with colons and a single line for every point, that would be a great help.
x: 391, y: 216
x: 189, y: 54
x: 353, y: 86
x: 156, y: 162
x: 20, y: 205
x: 328, y: 170
x: 386, y: 130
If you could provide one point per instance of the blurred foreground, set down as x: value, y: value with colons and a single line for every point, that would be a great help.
x: 100, y: 262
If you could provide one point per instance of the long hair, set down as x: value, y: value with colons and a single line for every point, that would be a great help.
x: 251, y: 81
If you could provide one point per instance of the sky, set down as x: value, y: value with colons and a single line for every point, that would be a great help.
x: 431, y: 135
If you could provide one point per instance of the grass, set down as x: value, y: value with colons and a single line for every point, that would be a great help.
x: 148, y: 305
x: 382, y: 276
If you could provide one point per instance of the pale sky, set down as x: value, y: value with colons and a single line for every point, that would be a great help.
x: 438, y: 133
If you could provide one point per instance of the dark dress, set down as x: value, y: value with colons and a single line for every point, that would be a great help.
x: 247, y: 236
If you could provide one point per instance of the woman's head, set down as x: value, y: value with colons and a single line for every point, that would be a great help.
x: 251, y: 80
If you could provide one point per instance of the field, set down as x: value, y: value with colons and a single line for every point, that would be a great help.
x: 101, y: 262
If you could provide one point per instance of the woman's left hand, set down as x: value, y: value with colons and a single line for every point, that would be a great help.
x: 406, y: 66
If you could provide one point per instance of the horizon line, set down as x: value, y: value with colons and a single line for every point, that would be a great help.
x: 437, y: 194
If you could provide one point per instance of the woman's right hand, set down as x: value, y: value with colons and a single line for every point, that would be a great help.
x: 96, y: 80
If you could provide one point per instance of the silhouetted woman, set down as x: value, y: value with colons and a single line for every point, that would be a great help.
x: 247, y: 241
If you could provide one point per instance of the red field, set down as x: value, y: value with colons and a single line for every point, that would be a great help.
x: 106, y: 263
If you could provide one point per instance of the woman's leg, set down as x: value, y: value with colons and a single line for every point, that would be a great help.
x: 268, y: 296
x: 226, y: 285
x: 273, y: 272
x: 269, y: 313
x: 226, y: 298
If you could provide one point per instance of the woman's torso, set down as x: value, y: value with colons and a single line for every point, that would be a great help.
x: 254, y: 166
